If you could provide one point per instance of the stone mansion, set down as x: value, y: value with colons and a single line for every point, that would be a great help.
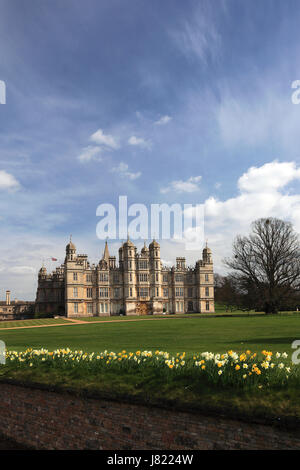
x: 138, y: 285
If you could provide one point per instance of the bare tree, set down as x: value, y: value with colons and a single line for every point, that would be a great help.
x: 266, y: 264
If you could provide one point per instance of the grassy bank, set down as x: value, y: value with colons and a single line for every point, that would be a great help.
x: 264, y: 386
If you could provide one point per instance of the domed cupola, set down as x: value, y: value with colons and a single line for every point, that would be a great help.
x: 70, y: 250
x: 145, y: 249
x: 154, y: 244
x: 128, y: 243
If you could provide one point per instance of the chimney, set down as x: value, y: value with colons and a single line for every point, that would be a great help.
x: 8, y: 297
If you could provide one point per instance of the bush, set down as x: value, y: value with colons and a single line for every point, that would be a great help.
x: 43, y: 315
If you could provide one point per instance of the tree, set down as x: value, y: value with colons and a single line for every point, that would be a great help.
x: 226, y: 292
x: 266, y: 264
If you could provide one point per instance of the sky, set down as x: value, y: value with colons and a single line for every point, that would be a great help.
x: 163, y: 102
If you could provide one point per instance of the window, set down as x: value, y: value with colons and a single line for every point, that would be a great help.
x: 103, y: 292
x: 207, y: 291
x: 106, y: 308
x: 156, y: 277
x: 130, y: 292
x: 207, y: 306
x: 165, y: 278
x: 116, y: 293
x: 143, y: 292
x: 75, y: 308
x: 166, y: 292
x: 143, y: 265
x: 89, y: 308
x: 156, y: 264
x: 101, y: 308
x: 103, y: 277
x: 190, y: 292
x: 88, y: 278
x: 89, y: 292
x: 157, y: 292
x: 130, y: 277
x: 75, y: 277
x: 206, y: 277
x: 178, y: 277
x: 179, y: 292
x: 75, y: 292
x: 116, y: 277
x: 143, y: 277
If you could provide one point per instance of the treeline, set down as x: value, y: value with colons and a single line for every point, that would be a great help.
x: 229, y: 294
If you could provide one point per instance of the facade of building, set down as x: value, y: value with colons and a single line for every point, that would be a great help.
x: 14, y: 309
x: 138, y: 285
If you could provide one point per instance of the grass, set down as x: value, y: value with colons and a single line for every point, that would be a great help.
x: 191, y: 335
x: 153, y: 384
x: 35, y: 322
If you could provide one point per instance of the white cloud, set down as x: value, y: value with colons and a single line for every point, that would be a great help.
x: 163, y: 120
x: 262, y: 193
x: 268, y: 177
x: 21, y: 270
x: 90, y: 153
x: 169, y: 264
x: 189, y: 186
x: 8, y: 181
x: 122, y: 170
x: 107, y: 140
x: 138, y: 141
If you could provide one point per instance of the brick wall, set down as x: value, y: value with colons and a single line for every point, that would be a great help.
x: 46, y: 419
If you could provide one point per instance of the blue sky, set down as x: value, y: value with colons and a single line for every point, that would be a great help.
x: 176, y: 102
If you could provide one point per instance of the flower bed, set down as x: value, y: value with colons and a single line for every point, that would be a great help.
x: 245, y: 369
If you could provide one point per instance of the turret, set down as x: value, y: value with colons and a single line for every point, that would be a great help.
x: 70, y: 250
x: 207, y: 255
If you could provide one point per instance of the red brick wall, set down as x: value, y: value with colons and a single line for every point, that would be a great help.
x: 53, y: 420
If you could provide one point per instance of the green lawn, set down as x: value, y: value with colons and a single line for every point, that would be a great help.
x: 35, y: 322
x: 191, y: 334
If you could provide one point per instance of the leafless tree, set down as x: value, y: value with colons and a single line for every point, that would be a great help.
x: 266, y: 264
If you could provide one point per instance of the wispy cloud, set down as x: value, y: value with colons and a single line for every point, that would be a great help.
x: 104, y: 139
x: 139, y: 142
x: 163, y: 120
x: 122, y: 170
x: 8, y: 182
x: 90, y: 153
x: 189, y: 186
x: 198, y: 36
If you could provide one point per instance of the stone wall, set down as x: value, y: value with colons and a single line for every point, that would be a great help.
x: 44, y: 419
